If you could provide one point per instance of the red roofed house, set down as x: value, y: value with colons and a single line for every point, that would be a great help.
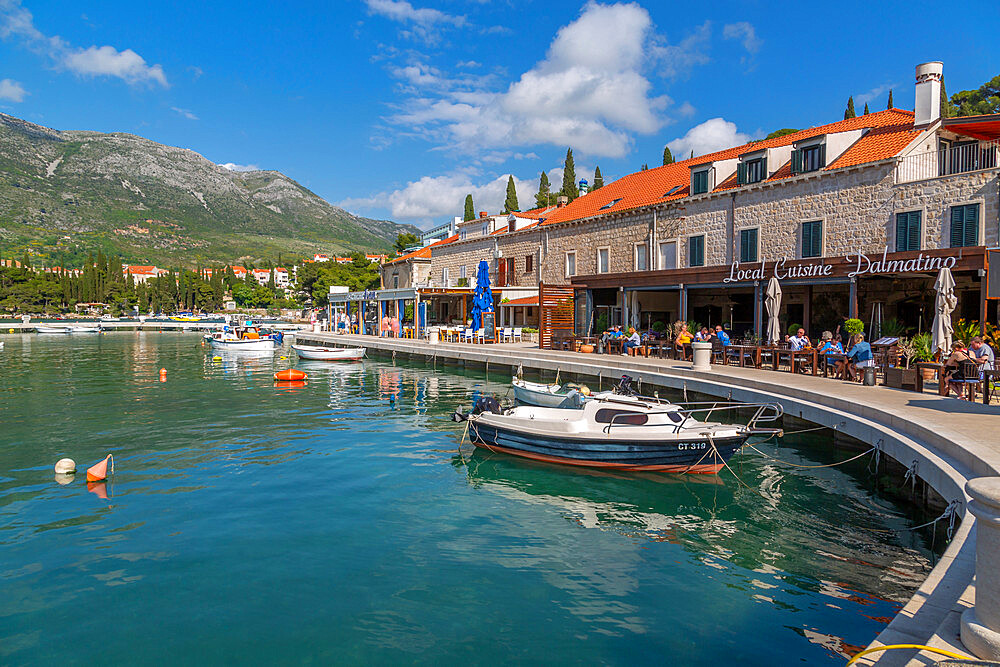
x: 142, y: 274
x: 854, y: 218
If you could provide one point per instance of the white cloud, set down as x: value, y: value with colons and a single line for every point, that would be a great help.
x: 714, y: 134
x: 744, y: 32
x: 678, y: 59
x: 435, y: 197
x: 232, y: 166
x: 127, y: 65
x: 423, y: 22
x: 873, y: 94
x: 590, y: 91
x: 187, y: 113
x: 12, y: 90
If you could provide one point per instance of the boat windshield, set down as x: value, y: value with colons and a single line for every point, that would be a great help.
x: 606, y: 415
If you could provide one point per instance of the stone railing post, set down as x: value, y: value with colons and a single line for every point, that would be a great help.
x: 981, y: 624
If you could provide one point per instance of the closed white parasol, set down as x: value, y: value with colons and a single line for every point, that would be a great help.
x: 944, y: 306
x: 772, y: 302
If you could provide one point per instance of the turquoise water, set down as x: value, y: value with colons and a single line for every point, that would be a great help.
x: 338, y: 522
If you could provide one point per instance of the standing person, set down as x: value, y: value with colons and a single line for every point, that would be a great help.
x: 841, y: 328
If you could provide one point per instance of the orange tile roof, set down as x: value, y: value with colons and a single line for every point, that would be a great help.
x: 889, y: 132
x: 534, y: 213
x: 505, y: 229
x: 424, y: 252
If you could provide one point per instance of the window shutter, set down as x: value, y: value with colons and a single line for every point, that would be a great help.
x: 817, y: 239
x: 797, y: 161
x: 763, y: 168
x: 914, y: 231
x: 806, y: 238
x: 741, y: 173
x: 822, y: 155
x: 957, y: 226
x: 971, y: 225
x: 902, y: 236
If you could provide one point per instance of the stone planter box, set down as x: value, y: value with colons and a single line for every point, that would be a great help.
x: 529, y: 337
x: 901, y: 378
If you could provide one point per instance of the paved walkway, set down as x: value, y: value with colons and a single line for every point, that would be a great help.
x: 948, y: 439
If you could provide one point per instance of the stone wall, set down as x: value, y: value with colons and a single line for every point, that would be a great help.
x: 935, y: 197
x: 458, y: 254
x: 619, y: 234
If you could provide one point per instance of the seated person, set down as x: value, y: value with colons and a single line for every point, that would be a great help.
x: 799, y: 341
x: 982, y: 354
x: 860, y: 356
x: 683, y: 337
x: 953, y: 372
x: 703, y: 335
x: 830, y: 346
x: 721, y: 334
x: 634, y: 340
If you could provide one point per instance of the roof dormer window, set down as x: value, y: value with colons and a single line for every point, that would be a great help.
x: 809, y: 158
x: 610, y: 204
x: 699, y: 182
x: 672, y: 191
x: 751, y: 171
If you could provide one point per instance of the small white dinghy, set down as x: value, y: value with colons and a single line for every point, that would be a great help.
x: 547, y: 395
x: 42, y: 329
x: 84, y: 328
x: 316, y: 353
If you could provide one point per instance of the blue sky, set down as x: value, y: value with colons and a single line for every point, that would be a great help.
x: 396, y: 109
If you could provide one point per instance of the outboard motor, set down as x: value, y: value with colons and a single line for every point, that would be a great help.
x: 482, y: 404
x: 624, y: 386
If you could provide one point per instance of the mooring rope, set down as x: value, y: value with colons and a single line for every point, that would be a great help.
x: 800, y: 465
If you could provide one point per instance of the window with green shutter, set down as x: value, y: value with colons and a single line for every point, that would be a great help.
x: 748, y: 245
x: 696, y: 251
x: 812, y: 238
x: 965, y: 225
x: 699, y: 182
x: 908, y: 231
x: 810, y: 158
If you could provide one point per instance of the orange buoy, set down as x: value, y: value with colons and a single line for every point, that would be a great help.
x: 289, y: 384
x: 100, y: 489
x: 163, y: 375
x: 290, y: 374
x: 99, y: 471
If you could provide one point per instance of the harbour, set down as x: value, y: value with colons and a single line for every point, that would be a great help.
x: 340, y: 517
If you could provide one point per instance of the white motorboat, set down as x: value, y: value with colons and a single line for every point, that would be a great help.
x: 84, y: 328
x: 620, y: 432
x: 43, y: 329
x: 547, y: 395
x: 243, y: 340
x: 316, y: 353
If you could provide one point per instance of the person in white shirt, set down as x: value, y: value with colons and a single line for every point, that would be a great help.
x: 799, y: 340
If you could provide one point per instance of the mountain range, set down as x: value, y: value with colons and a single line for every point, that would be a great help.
x: 64, y: 194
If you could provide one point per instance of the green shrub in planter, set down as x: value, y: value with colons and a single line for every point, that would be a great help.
x: 793, y: 329
x: 854, y: 326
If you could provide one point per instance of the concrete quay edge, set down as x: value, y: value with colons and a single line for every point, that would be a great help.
x: 934, y: 433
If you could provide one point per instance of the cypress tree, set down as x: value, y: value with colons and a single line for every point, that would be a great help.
x: 668, y: 157
x: 865, y: 113
x: 25, y: 260
x: 470, y: 209
x: 543, y: 196
x: 947, y: 108
x: 510, y: 204
x: 692, y: 154
x: 598, y: 179
x: 569, y: 189
x: 889, y: 105
x: 849, y: 112
x: 645, y: 167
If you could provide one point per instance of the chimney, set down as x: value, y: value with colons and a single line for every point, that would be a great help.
x: 927, y: 106
x: 561, y: 201
x: 483, y: 215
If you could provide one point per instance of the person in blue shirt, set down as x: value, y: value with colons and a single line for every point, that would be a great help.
x: 831, y: 346
x: 721, y: 334
x: 860, y: 356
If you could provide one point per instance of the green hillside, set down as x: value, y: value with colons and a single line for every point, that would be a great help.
x: 65, y: 193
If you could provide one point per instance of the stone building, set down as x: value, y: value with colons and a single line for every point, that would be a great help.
x: 854, y: 218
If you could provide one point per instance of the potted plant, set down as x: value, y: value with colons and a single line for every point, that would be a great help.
x: 921, y: 351
x: 899, y: 376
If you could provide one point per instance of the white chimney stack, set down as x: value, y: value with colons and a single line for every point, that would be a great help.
x: 927, y: 108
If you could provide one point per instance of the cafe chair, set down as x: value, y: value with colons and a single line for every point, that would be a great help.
x: 718, y: 351
x: 480, y: 336
x: 516, y: 336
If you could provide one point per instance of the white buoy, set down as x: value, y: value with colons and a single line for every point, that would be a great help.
x: 63, y: 478
x: 65, y: 467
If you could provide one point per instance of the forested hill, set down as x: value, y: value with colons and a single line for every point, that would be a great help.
x: 67, y: 193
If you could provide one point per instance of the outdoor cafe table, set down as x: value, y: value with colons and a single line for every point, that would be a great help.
x: 942, y: 385
x: 744, y: 351
x: 793, y: 355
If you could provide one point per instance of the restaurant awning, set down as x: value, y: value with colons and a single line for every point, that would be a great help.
x: 986, y: 127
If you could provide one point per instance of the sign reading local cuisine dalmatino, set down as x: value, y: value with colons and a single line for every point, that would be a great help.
x: 858, y: 264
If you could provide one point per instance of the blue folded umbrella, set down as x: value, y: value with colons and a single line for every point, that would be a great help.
x: 482, y: 300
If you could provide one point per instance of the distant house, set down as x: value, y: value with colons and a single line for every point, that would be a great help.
x: 262, y: 276
x: 321, y: 258
x: 143, y: 274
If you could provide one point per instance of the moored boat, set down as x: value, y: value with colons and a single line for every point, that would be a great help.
x: 244, y: 338
x: 621, y: 432
x: 317, y: 353
x: 84, y: 328
x: 547, y: 395
x: 43, y: 329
